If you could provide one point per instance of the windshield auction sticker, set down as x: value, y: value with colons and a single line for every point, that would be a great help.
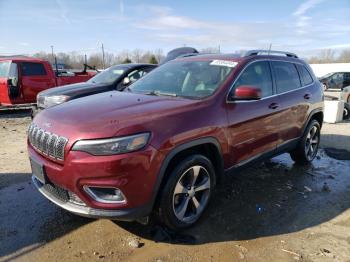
x: 223, y: 63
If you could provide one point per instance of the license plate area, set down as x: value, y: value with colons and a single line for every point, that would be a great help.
x: 38, y: 171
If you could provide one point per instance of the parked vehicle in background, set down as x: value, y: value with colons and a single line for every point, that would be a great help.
x: 341, y: 95
x: 178, y: 52
x: 345, y: 94
x: 22, y: 78
x: 163, y: 144
x: 335, y: 80
x: 114, y: 78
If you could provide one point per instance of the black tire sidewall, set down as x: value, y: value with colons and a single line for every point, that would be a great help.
x: 166, y: 212
x: 311, y: 124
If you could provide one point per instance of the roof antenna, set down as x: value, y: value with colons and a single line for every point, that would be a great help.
x: 269, y: 49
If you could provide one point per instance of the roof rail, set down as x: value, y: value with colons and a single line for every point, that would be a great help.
x: 268, y: 52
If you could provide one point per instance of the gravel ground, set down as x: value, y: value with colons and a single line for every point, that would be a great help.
x: 274, y: 211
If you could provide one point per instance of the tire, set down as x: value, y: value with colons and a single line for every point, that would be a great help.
x: 325, y: 87
x: 346, y: 114
x: 180, y: 196
x: 306, y: 149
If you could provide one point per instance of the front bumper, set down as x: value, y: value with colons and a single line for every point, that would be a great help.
x: 80, y: 209
x: 134, y: 174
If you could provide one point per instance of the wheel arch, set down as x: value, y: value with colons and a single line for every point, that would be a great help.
x: 316, y: 114
x: 208, y: 146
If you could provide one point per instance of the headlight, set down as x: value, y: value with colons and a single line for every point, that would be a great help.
x: 112, y: 146
x: 49, y: 101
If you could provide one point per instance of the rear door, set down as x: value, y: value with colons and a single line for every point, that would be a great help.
x: 253, y: 124
x: 35, y: 79
x: 294, y: 99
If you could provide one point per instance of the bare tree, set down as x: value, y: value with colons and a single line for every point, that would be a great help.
x: 210, y: 50
x: 344, y: 57
x: 136, y: 55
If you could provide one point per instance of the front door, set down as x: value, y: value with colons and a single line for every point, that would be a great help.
x: 253, y: 124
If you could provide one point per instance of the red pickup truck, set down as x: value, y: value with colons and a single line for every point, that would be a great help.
x: 22, y: 78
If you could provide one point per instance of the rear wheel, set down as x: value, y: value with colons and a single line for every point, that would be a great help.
x: 187, y: 192
x: 346, y: 114
x: 307, y: 148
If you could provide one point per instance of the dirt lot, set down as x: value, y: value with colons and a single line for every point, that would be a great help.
x: 274, y: 211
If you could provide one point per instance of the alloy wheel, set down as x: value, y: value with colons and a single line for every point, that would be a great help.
x: 312, y: 142
x: 191, y: 194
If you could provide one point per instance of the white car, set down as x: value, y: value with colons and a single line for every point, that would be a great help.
x: 345, y: 94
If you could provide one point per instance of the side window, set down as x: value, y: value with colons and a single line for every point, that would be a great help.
x: 13, y: 71
x: 33, y: 69
x: 137, y: 74
x: 306, y: 78
x: 287, y: 77
x: 258, y: 74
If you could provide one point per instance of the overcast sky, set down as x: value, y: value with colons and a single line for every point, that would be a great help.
x: 303, y: 26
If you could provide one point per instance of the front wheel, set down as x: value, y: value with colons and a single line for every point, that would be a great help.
x: 187, y: 192
x: 307, y: 148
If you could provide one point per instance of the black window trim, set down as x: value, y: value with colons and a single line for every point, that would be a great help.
x: 273, y: 81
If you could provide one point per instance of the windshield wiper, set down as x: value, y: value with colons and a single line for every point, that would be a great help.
x: 159, y: 93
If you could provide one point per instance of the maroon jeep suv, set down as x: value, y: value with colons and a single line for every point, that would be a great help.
x: 161, y: 146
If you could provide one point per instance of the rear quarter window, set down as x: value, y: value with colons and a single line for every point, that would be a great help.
x: 305, y: 76
x: 33, y: 69
x: 287, y: 77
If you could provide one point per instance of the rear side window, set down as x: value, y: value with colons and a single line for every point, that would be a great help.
x: 33, y: 69
x: 257, y: 74
x: 306, y: 78
x: 287, y: 77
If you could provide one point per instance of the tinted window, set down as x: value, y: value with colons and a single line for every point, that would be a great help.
x: 108, y: 76
x: 305, y: 76
x: 137, y: 74
x: 258, y: 75
x: 287, y: 77
x: 33, y: 69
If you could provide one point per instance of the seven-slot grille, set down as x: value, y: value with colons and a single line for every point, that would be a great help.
x: 47, y: 143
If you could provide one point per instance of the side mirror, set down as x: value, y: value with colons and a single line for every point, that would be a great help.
x: 126, y: 81
x: 246, y: 92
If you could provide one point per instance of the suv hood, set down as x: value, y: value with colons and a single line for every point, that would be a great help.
x: 76, y: 90
x: 109, y: 114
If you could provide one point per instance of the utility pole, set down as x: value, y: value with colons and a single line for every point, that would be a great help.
x: 53, y: 57
x: 103, y: 57
x: 219, y: 49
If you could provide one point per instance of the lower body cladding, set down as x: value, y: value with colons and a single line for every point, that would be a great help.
x: 118, y: 187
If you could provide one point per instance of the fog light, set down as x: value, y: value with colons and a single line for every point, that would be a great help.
x: 110, y: 195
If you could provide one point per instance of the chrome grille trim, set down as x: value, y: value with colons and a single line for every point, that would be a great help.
x: 47, y: 143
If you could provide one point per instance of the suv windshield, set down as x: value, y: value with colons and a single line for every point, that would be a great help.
x: 109, y: 76
x: 191, y: 79
x: 5, y: 68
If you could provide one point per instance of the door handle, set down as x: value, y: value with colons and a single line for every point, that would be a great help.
x: 307, y: 96
x: 273, y: 105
